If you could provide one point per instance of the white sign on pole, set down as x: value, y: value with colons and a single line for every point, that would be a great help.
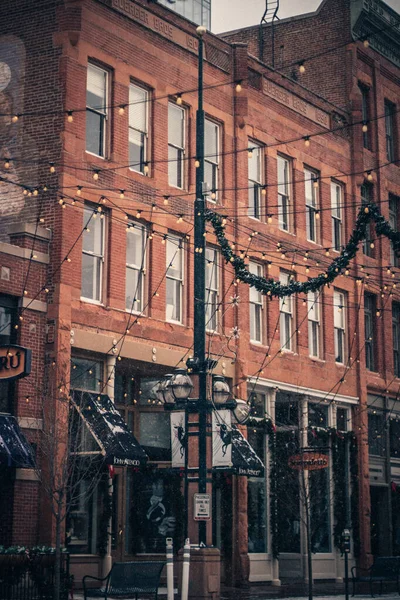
x: 221, y: 438
x: 202, y: 507
x: 178, y: 439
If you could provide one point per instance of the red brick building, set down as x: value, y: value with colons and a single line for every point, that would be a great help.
x: 107, y: 92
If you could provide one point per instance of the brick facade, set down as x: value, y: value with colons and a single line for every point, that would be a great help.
x: 277, y: 109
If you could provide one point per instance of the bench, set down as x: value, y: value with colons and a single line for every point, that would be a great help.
x: 126, y: 579
x: 383, y: 569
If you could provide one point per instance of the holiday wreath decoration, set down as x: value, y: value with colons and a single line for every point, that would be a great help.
x: 369, y: 212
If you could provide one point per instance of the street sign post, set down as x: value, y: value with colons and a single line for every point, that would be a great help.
x: 202, y: 504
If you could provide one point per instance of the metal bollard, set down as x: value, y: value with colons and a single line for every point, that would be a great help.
x: 170, y: 569
x: 185, y: 570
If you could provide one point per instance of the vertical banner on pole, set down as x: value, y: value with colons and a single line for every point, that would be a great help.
x: 178, y: 439
x: 221, y: 438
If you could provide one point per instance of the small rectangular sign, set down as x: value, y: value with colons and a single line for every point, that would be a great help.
x: 202, y: 504
x: 15, y: 362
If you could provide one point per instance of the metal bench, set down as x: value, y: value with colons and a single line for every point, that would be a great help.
x: 126, y: 579
x: 383, y: 569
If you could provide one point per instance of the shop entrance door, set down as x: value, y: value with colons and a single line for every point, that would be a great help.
x: 380, y: 522
x: 223, y: 523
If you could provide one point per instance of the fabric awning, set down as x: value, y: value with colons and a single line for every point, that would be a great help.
x: 244, y: 459
x: 117, y: 443
x: 15, y: 450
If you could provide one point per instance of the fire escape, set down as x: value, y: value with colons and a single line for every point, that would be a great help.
x: 269, y: 17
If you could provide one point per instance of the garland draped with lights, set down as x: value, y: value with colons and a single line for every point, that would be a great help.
x: 369, y: 212
x: 280, y: 445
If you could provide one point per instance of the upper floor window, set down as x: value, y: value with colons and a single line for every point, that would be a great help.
x: 255, y: 179
x: 366, y: 198
x: 314, y: 325
x: 212, y: 261
x: 176, y: 145
x: 336, y: 204
x: 96, y: 109
x: 376, y: 433
x: 135, y: 267
x: 394, y: 221
x: 369, y: 322
x: 312, y: 212
x: 342, y: 419
x: 256, y: 306
x: 339, y: 321
x: 396, y: 337
x: 284, y: 199
x: 286, y: 317
x: 8, y: 335
x: 390, y: 111
x: 138, y: 128
x: 92, y: 255
x: 175, y: 266
x: 365, y: 114
x: 86, y: 374
x: 211, y: 158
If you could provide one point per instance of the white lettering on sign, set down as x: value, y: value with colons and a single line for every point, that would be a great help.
x: 202, y: 503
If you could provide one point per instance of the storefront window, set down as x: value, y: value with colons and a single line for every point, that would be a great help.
x: 376, y: 434
x: 257, y: 487
x: 394, y: 432
x: 154, y: 511
x: 82, y: 504
x: 154, y: 422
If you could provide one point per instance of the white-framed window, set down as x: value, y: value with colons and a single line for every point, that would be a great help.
x: 92, y: 255
x: 175, y: 267
x: 311, y: 190
x: 336, y: 205
x: 339, y: 322
x: 135, y: 267
x: 390, y: 112
x: 211, y: 158
x: 96, y: 109
x: 286, y: 317
x: 255, y: 182
x: 212, y: 279
x: 314, y: 324
x: 138, y: 127
x: 256, y: 306
x: 176, y: 145
x: 284, y: 193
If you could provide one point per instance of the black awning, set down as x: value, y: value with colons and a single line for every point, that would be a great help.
x: 15, y: 451
x: 244, y: 459
x: 118, y: 445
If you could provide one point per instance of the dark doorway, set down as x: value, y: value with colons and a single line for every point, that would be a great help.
x: 222, y: 523
x: 380, y: 522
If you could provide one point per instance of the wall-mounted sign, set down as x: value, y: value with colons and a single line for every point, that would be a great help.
x: 308, y: 461
x: 15, y: 362
x: 202, y: 503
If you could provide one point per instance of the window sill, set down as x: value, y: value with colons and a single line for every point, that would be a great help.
x: 148, y: 176
x: 175, y: 323
x: 91, y: 301
x: 95, y: 155
x: 317, y: 360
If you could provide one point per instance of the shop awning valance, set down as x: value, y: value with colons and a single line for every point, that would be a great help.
x: 15, y: 451
x: 118, y: 445
x: 244, y: 459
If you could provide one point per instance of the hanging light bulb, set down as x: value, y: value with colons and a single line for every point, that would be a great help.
x: 15, y: 118
x: 79, y: 190
x: 317, y: 214
x: 269, y: 219
x: 307, y: 141
x: 238, y: 87
x: 364, y: 127
x: 250, y: 152
x: 315, y: 182
x: 263, y: 190
x: 7, y: 164
x: 302, y: 68
x: 70, y: 117
x: 121, y: 110
x: 122, y: 194
x: 52, y: 168
x: 166, y: 200
x: 179, y: 99
x: 197, y: 163
x: 146, y: 169
x: 96, y: 175
x: 366, y: 43
x: 369, y: 175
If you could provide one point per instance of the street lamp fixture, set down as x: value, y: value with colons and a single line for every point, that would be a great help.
x: 220, y: 390
x: 164, y: 391
x: 181, y: 385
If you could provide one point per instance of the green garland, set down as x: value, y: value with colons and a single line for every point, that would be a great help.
x: 30, y: 551
x: 369, y: 212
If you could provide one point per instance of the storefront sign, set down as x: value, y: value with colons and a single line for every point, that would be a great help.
x: 296, y: 103
x: 308, y: 461
x: 202, y: 503
x: 15, y: 362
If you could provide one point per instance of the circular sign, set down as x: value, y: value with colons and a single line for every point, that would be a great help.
x: 5, y: 75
